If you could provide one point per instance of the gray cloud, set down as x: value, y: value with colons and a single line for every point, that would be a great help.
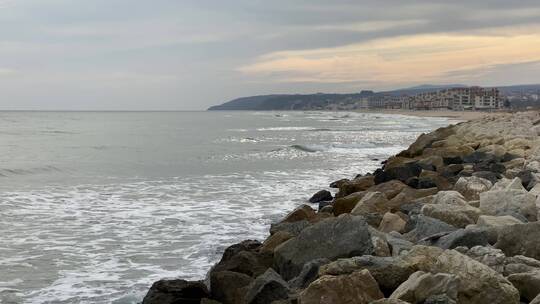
x: 168, y: 54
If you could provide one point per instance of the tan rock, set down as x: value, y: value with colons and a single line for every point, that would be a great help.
x: 356, y: 185
x: 471, y: 187
x: 359, y: 288
x: 372, y: 202
x: 275, y: 240
x: 421, y: 285
x: 392, y: 222
x: 455, y: 215
x: 347, y: 204
x: 303, y: 212
x: 390, y: 188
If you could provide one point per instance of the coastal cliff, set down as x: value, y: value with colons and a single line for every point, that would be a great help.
x: 452, y: 219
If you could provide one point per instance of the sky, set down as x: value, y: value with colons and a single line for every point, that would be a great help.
x: 191, y: 54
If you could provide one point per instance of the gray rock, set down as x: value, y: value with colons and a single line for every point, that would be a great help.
x: 176, y: 291
x: 517, y: 203
x: 323, y: 195
x: 421, y: 285
x: 266, y: 288
x: 469, y: 238
x: 455, y: 215
x: 527, y: 283
x: 536, y: 300
x: 293, y: 228
x: 309, y: 273
x: 397, y: 243
x: 427, y: 226
x: 229, y: 287
x: 333, y: 238
x: 471, y: 187
x: 520, y: 239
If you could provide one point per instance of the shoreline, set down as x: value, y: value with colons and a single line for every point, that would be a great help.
x: 460, y: 206
x: 458, y: 115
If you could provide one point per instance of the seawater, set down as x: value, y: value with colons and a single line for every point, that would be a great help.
x: 95, y: 206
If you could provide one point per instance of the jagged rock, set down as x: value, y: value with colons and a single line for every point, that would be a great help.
x: 431, y: 179
x: 471, y: 187
x: 392, y: 222
x: 275, y: 240
x: 536, y: 300
x: 229, y: 287
x: 209, y: 301
x: 357, y: 287
x: 426, y: 226
x: 356, y: 185
x: 324, y: 204
x: 338, y: 183
x: 479, y: 284
x: 497, y: 221
x: 323, y: 195
x: 401, y: 173
x: 455, y: 215
x: 449, y: 198
x: 389, y: 272
x: 244, y: 258
x: 302, y: 213
x: 520, y: 239
x: 176, y: 291
x: 333, y: 238
x: 494, y: 258
x: 309, y: 273
x: 346, y: 204
x: 372, y: 202
x: 293, y: 228
x: 488, y: 175
x: 517, y: 203
x: 266, y: 288
x: 469, y: 237
x: 389, y: 301
x: 527, y: 283
x: 397, y: 243
x: 420, y: 286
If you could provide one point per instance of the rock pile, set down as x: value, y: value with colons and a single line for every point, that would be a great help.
x: 452, y: 219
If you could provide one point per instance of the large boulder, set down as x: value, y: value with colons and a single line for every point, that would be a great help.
x: 229, y: 287
x: 392, y: 222
x: 358, y: 287
x: 309, y: 273
x: 356, y: 185
x: 469, y: 237
x: 421, y: 285
x: 250, y: 261
x: 176, y: 291
x: 333, y: 238
x: 275, y: 240
x: 520, y: 239
x: 372, y: 202
x: 455, y: 215
x: 390, y: 188
x: 321, y: 196
x: 266, y: 288
x: 426, y: 226
x: 449, y: 198
x: 517, y: 203
x: 401, y: 173
x: 471, y: 187
x: 527, y: 283
x: 478, y: 284
x: 346, y: 204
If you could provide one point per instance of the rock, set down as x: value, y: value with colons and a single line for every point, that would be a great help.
x: 332, y: 238
x: 309, y: 273
x: 494, y: 258
x: 533, y: 166
x: 449, y: 198
x: 390, y: 188
x: 357, y: 287
x: 497, y: 221
x: 323, y: 195
x: 420, y: 286
x: 517, y: 203
x: 408, y: 195
x: 301, y: 213
x: 389, y: 272
x: 389, y: 301
x: 266, y: 288
x: 528, y: 179
x: 479, y: 284
x: 469, y: 237
x: 439, y: 299
x: 392, y: 222
x: 451, y: 170
x: 434, y: 161
x: 355, y: 185
x: 427, y: 226
x: 497, y: 151
x: 209, y: 301
x: 293, y: 228
x: 455, y: 215
x: 527, y: 283
x: 515, y: 184
x: 325, y: 204
x: 480, y: 157
x: 488, y: 166
x: 275, y: 240
x: 536, y: 300
x: 347, y: 204
x: 520, y: 239
x: 490, y: 176
x: 338, y: 183
x: 397, y: 243
x: 372, y: 202
x: 471, y: 187
x: 401, y: 173
x: 431, y: 179
x: 176, y: 291
x: 229, y: 287
x: 244, y: 258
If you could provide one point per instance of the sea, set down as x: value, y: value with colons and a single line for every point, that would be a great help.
x: 95, y: 206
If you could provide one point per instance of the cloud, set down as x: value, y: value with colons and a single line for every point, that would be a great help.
x: 424, y: 58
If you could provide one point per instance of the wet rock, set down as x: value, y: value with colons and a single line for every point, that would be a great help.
x: 275, y: 240
x: 266, y: 288
x: 324, y: 204
x: 421, y: 285
x: 333, y: 238
x: 471, y: 187
x: 520, y: 239
x: 244, y: 258
x: 357, y: 287
x: 229, y: 287
x: 176, y: 291
x: 355, y: 185
x: 338, y: 183
x: 527, y: 283
x: 401, y: 173
x: 323, y: 195
x: 309, y: 273
x: 304, y: 212
x: 347, y: 204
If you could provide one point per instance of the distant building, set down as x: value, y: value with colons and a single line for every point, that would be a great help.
x: 457, y: 99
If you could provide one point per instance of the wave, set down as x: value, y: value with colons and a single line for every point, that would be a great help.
x: 334, y: 147
x: 5, y: 172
